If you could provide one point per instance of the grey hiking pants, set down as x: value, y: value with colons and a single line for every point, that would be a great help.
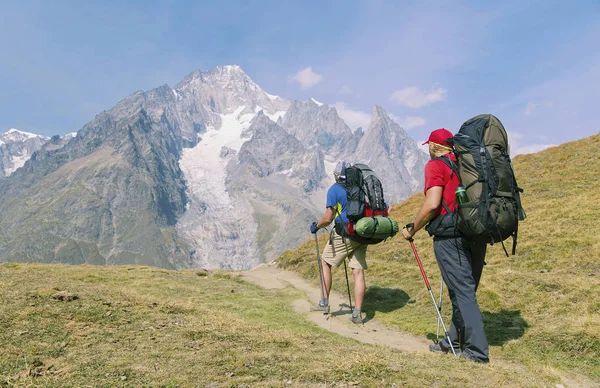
x: 461, y: 263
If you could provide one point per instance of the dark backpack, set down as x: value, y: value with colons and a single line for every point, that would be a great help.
x: 364, y: 193
x: 494, y: 209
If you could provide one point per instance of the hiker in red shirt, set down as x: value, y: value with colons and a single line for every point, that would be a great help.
x: 460, y: 260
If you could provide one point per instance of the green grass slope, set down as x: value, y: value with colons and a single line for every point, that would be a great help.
x: 541, y: 307
x: 140, y: 326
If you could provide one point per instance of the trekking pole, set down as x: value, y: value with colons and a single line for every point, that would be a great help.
x: 348, y: 285
x: 437, y: 310
x: 437, y: 334
x: 320, y: 269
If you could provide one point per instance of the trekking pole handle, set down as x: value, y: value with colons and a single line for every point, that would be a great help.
x: 411, y: 225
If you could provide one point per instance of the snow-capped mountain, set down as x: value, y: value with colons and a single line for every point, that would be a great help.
x: 213, y: 173
x: 15, y: 136
x: 16, y: 147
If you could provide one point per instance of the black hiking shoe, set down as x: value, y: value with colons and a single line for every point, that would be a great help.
x: 439, y: 348
x: 319, y: 307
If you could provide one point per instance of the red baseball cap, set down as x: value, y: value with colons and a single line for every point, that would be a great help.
x: 440, y: 136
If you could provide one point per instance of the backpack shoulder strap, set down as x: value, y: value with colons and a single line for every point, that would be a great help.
x: 445, y: 205
x: 448, y: 162
x: 454, y: 167
x: 338, y: 212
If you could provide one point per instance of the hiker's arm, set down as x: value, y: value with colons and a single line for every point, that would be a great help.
x: 429, y: 209
x: 326, y: 219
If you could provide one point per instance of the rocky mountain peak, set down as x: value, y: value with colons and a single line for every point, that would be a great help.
x: 382, y: 129
x: 16, y: 147
x: 229, y: 71
x: 230, y: 78
x: 388, y: 149
x: 379, y: 116
x: 224, y: 89
x: 316, y: 123
x: 14, y: 135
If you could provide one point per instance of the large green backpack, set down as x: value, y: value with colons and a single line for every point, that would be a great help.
x: 494, y: 209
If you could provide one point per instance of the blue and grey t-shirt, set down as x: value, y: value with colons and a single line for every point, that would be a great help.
x: 337, y: 200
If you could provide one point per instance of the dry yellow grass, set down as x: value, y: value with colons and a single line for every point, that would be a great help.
x: 136, y: 326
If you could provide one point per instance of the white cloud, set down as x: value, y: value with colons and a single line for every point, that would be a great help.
x: 518, y: 147
x: 514, y: 138
x: 307, y: 78
x: 530, y: 149
x: 346, y: 90
x: 357, y: 118
x: 532, y: 106
x: 408, y: 122
x: 414, y: 98
x: 354, y: 118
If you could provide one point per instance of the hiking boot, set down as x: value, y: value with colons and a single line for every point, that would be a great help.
x: 357, y: 320
x: 319, y: 307
x: 439, y: 348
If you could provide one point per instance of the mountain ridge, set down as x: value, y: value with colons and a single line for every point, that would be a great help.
x: 212, y: 145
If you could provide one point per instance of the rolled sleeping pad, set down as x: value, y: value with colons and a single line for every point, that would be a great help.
x: 378, y: 227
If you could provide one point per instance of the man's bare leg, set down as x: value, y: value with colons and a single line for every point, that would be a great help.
x: 359, y: 287
x: 359, y: 294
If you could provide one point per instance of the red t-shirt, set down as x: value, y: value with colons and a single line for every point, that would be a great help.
x: 437, y: 173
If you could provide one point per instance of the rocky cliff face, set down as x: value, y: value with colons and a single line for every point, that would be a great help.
x: 213, y: 173
x: 110, y: 196
x: 319, y: 124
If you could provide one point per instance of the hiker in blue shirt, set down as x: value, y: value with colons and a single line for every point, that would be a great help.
x: 338, y: 247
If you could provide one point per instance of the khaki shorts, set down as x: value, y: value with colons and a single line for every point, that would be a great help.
x: 337, y: 250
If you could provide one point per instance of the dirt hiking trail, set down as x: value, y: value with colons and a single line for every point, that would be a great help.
x: 269, y: 276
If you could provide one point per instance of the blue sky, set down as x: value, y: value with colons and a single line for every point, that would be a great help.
x: 534, y: 64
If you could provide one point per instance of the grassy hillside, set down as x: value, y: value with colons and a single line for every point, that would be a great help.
x: 139, y: 326
x: 541, y: 307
